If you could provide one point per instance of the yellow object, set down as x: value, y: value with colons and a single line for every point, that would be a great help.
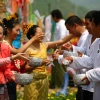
x: 27, y: 27
x: 38, y: 89
x: 12, y: 16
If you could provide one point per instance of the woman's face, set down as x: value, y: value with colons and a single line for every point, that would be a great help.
x: 15, y: 31
x: 1, y: 33
x: 39, y: 31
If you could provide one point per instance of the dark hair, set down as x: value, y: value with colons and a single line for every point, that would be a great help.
x: 56, y: 13
x: 72, y: 20
x: 96, y: 17
x: 89, y: 15
x: 4, y: 29
x: 10, y: 23
x: 32, y: 31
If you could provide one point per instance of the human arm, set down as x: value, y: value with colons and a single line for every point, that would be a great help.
x: 70, y: 47
x: 80, y: 62
x: 59, y: 42
x: 93, y: 74
x: 25, y: 46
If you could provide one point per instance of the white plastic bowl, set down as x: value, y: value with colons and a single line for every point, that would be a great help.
x: 78, y: 79
x: 67, y: 53
x: 24, y: 79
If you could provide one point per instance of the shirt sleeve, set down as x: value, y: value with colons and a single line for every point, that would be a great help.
x: 82, y: 62
x: 81, y: 49
x: 4, y: 61
x: 93, y: 74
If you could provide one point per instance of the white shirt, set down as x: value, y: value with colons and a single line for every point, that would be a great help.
x: 92, y: 61
x: 60, y: 30
x: 81, y: 42
x: 85, y: 48
x: 80, y: 45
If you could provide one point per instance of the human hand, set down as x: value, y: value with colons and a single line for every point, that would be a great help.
x: 20, y: 56
x: 59, y: 51
x: 38, y: 36
x: 46, y: 62
x: 13, y: 78
x: 67, y: 46
x: 55, y: 56
x: 79, y: 54
x: 87, y: 81
x: 69, y: 59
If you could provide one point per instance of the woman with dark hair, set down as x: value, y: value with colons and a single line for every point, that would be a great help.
x: 5, y: 60
x: 13, y: 27
x: 38, y: 89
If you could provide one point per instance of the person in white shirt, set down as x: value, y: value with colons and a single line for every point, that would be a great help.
x: 89, y: 89
x: 60, y: 29
x: 93, y: 59
x: 75, y: 26
x: 60, y: 32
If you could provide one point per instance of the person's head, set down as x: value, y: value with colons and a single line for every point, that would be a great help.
x: 2, y: 31
x: 12, y: 25
x: 31, y: 30
x: 88, y: 21
x: 56, y: 15
x: 96, y: 23
x: 73, y: 24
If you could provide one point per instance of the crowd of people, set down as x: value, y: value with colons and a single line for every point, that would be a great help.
x: 31, y: 57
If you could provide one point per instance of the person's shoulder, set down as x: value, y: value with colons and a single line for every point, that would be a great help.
x: 4, y: 45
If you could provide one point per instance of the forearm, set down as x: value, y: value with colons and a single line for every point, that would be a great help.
x: 23, y: 48
x: 93, y: 74
x: 60, y: 42
x: 28, y: 68
x: 80, y: 49
x: 82, y: 62
x: 4, y: 61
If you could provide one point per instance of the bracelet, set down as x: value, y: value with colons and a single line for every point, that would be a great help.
x: 57, y: 46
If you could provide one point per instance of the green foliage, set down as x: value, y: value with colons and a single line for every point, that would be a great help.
x: 66, y: 7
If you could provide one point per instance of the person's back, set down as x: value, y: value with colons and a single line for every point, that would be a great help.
x: 60, y: 30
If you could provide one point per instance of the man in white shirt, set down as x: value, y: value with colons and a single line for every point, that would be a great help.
x: 75, y: 26
x: 60, y: 29
x: 93, y: 58
x: 60, y: 32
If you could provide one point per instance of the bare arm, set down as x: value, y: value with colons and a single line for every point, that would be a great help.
x: 59, y: 42
x: 25, y: 46
x: 28, y: 68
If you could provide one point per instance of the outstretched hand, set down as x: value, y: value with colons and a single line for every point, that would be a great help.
x: 87, y: 81
x: 67, y: 46
x: 70, y: 59
x: 21, y: 56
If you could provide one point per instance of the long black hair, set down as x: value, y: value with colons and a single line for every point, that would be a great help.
x: 11, y: 22
x: 32, y: 31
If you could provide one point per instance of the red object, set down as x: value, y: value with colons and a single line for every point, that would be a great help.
x: 5, y: 70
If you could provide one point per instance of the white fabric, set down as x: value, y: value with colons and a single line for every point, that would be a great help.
x: 93, y: 75
x: 48, y: 26
x: 82, y: 62
x: 60, y: 30
x: 85, y: 61
x: 81, y: 43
